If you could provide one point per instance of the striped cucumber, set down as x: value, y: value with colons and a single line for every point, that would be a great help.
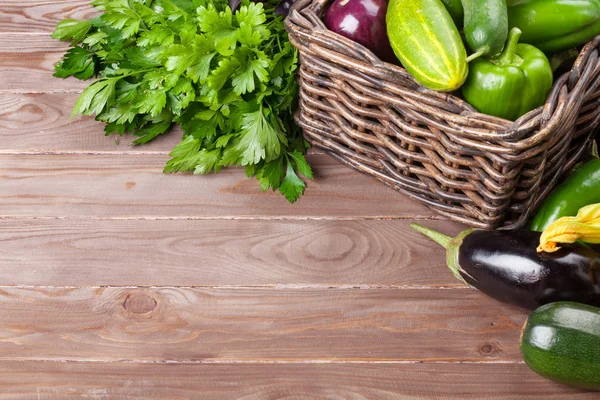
x: 427, y: 42
x: 486, y: 26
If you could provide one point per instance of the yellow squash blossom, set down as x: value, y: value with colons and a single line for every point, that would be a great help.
x: 585, y: 227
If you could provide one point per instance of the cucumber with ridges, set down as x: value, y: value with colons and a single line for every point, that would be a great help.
x: 561, y: 342
x: 486, y: 26
x: 427, y: 42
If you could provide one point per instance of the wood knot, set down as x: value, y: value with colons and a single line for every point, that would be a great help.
x: 489, y: 349
x: 139, y: 303
x: 130, y: 185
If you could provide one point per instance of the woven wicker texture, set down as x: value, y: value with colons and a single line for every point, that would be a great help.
x: 481, y: 170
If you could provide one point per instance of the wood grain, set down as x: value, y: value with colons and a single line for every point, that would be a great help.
x: 32, y: 16
x: 186, y: 324
x: 134, y: 185
x: 42, y: 123
x: 221, y: 252
x: 27, y: 64
x: 53, y: 381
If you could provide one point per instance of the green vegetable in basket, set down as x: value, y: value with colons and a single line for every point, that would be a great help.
x: 427, y: 42
x: 486, y: 26
x: 580, y: 189
x: 511, y: 85
x: 555, y: 25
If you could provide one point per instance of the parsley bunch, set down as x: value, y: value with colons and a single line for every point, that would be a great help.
x: 227, y: 78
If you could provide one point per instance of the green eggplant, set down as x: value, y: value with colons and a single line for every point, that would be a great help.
x: 512, y: 84
x: 555, y: 25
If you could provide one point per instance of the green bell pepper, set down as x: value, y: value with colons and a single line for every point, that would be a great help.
x: 555, y: 25
x: 511, y: 85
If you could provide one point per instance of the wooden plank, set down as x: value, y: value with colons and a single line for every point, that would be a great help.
x: 27, y: 64
x: 112, y: 185
x: 220, y: 324
x: 220, y: 253
x: 42, y: 123
x: 53, y: 381
x: 41, y: 15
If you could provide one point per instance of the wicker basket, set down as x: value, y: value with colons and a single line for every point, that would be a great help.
x: 481, y: 170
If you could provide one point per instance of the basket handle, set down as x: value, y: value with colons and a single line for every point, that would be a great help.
x: 318, y: 5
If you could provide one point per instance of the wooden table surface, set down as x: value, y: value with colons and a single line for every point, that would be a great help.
x: 119, y: 282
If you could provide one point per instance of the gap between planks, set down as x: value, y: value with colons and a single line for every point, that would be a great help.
x: 55, y: 91
x: 38, y: 33
x: 220, y: 218
x: 255, y: 362
x: 100, y: 153
x: 248, y: 287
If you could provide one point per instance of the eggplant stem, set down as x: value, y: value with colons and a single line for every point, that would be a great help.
x: 439, y: 238
x: 451, y: 245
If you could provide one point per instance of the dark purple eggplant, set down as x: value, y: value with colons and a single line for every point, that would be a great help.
x: 362, y: 21
x: 506, y: 266
x: 234, y: 4
x: 283, y: 8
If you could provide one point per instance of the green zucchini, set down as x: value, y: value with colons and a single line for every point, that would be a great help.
x: 486, y: 26
x: 561, y: 341
x: 427, y: 42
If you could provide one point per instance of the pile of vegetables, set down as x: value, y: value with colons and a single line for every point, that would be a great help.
x: 552, y: 268
x: 225, y: 73
x: 496, y: 51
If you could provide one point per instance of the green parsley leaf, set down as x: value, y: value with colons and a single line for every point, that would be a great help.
x: 160, y: 79
x: 157, y: 126
x: 100, y: 4
x: 152, y: 101
x: 119, y: 114
x: 218, y: 25
x: 260, y: 140
x: 160, y: 35
x: 120, y: 16
x: 181, y: 95
x: 125, y: 91
x: 77, y: 62
x: 292, y: 187
x: 135, y: 58
x: 72, y: 30
x: 200, y: 67
x: 94, y: 39
x: 184, y: 155
x: 189, y: 6
x: 243, y: 82
x: 301, y: 164
x: 271, y: 174
x: 207, y: 161
x: 95, y: 97
x: 220, y: 75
